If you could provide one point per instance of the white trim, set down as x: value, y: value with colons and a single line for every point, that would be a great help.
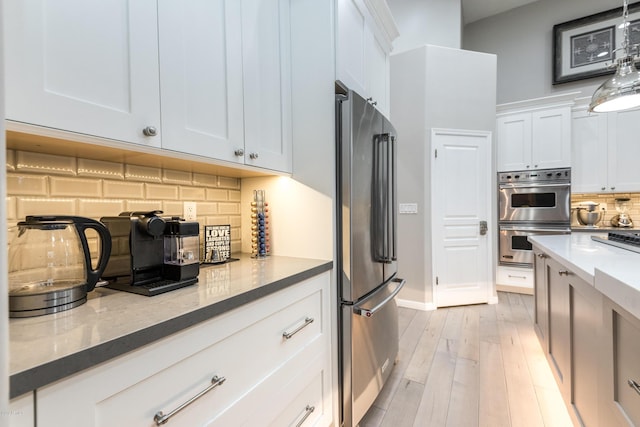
x: 381, y: 14
x: 563, y: 99
x: 423, y: 306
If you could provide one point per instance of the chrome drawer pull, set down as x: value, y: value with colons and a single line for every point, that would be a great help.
x: 516, y: 277
x: 564, y: 273
x: 307, y: 321
x: 307, y: 411
x: 160, y: 418
x: 634, y: 385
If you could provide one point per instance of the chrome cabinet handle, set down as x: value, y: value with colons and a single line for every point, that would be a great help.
x: 307, y: 321
x: 603, y: 188
x: 613, y: 188
x: 634, y: 385
x: 161, y: 418
x: 150, y: 131
x: 541, y: 255
x: 307, y: 411
x: 564, y: 272
x: 368, y: 313
x: 516, y: 277
x: 239, y: 152
x: 253, y: 156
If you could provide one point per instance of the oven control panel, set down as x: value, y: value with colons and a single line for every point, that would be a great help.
x: 533, y: 176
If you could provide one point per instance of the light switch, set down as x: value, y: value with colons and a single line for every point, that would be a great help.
x: 408, y: 208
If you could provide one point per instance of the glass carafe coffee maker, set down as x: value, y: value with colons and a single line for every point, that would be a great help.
x: 622, y: 219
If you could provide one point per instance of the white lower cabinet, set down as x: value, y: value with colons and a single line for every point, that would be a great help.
x: 21, y: 412
x: 262, y: 374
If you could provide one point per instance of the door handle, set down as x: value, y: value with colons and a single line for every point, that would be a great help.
x: 483, y: 228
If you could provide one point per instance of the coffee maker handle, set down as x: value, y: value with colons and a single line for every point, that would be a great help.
x: 105, y: 248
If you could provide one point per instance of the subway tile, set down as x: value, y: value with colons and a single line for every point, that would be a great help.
x: 207, y: 208
x: 229, y: 208
x: 226, y: 182
x: 161, y: 191
x: 41, y: 206
x: 235, y: 220
x: 100, y: 169
x: 176, y: 177
x: 142, y: 173
x: 172, y: 208
x: 217, y: 194
x: 234, y: 195
x: 205, y: 180
x: 143, y: 205
x: 122, y: 189
x: 216, y: 220
x: 192, y: 193
x: 11, y: 208
x: 236, y: 234
x: 96, y: 208
x: 11, y: 160
x: 26, y: 185
x: 236, y: 247
x: 74, y: 187
x: 45, y: 163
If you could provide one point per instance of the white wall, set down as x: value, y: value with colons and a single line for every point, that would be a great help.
x: 522, y: 39
x: 420, y: 22
x: 431, y: 88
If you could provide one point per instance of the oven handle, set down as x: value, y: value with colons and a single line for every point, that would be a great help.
x: 530, y: 185
x: 533, y: 228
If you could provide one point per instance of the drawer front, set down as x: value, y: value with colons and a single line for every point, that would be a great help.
x: 626, y: 342
x: 131, y: 391
x: 511, y: 276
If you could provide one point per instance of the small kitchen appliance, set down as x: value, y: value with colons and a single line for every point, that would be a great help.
x: 588, y: 214
x: 50, y: 266
x: 622, y: 219
x: 152, y: 254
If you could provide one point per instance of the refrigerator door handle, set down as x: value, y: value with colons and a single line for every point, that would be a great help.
x: 383, y: 230
x: 357, y: 309
x: 392, y: 199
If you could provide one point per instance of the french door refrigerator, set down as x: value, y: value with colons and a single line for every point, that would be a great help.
x: 367, y: 242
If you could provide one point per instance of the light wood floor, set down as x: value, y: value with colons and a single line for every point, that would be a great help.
x: 479, y: 365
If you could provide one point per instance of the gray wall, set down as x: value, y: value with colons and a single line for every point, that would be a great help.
x: 522, y: 39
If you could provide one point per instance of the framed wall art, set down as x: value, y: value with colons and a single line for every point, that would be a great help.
x: 583, y: 48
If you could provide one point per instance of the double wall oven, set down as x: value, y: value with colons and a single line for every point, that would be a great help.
x: 531, y: 203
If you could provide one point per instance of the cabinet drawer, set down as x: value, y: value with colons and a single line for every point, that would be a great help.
x: 511, y: 276
x: 244, y: 347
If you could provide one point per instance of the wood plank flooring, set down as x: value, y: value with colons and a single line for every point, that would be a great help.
x: 478, y: 365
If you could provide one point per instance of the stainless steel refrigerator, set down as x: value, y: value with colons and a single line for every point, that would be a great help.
x: 367, y: 242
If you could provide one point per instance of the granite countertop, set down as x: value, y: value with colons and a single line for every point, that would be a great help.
x: 615, y: 272
x: 48, y: 348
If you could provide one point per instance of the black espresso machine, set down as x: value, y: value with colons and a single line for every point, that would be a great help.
x: 151, y: 254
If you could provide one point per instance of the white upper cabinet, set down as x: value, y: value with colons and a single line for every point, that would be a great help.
x: 84, y: 66
x: 219, y: 70
x: 365, y: 31
x: 534, y: 134
x: 200, y: 46
x: 604, y: 151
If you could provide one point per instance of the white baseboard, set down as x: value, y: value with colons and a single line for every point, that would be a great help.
x: 423, y: 306
x: 515, y: 289
x: 492, y: 300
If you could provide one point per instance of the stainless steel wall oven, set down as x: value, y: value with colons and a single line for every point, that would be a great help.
x: 530, y: 203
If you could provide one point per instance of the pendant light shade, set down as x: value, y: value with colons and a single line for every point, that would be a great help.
x: 622, y: 91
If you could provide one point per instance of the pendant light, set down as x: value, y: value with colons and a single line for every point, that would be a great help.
x: 622, y: 91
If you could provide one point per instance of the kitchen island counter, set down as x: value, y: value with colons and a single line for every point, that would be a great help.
x: 47, y: 348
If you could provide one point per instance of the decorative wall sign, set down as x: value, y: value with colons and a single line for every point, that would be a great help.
x: 583, y: 48
x: 217, y: 243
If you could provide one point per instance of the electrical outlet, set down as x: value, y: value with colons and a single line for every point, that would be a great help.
x: 189, y: 211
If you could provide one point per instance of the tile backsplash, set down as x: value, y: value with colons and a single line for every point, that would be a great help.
x: 607, y: 201
x: 49, y: 184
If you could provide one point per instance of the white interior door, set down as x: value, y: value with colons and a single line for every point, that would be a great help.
x: 461, y: 201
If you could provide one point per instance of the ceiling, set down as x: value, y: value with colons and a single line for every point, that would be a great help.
x: 474, y: 10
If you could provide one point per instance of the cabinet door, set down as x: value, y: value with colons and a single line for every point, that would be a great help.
x: 541, y: 299
x: 514, y: 142
x: 87, y: 67
x: 352, y: 42
x: 378, y: 68
x: 589, y: 152
x: 624, y: 150
x: 586, y: 321
x: 200, y: 45
x: 559, y: 353
x: 266, y: 53
x: 551, y: 138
